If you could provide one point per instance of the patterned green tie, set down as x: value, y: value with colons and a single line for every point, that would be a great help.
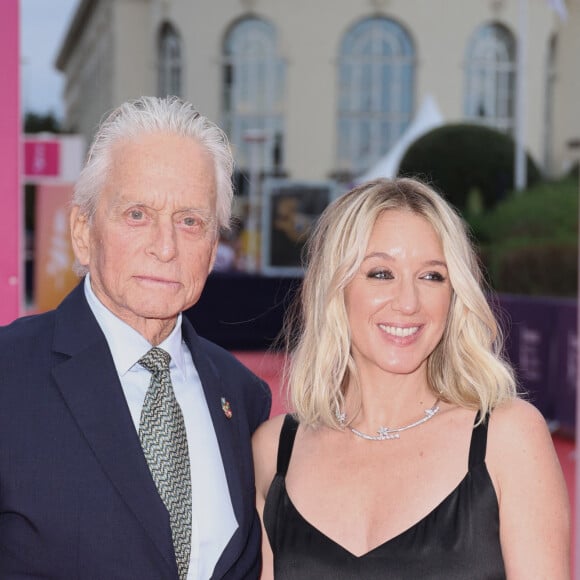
x: 164, y: 442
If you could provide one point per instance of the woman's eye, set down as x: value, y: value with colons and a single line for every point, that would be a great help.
x: 380, y: 274
x: 136, y: 214
x: 434, y: 277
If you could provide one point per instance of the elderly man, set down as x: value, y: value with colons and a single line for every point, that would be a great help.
x: 124, y: 436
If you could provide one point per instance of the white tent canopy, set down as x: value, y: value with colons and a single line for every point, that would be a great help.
x: 428, y: 117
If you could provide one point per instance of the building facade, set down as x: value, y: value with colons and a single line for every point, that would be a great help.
x: 330, y: 84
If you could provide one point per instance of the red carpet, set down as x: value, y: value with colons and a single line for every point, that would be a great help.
x: 268, y: 366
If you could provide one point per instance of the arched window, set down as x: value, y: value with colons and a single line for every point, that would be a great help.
x: 376, y: 86
x: 253, y: 92
x: 490, y: 77
x: 169, y: 62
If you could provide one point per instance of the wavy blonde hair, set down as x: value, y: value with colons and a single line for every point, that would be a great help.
x: 466, y: 368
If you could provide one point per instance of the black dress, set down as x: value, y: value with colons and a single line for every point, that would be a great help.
x: 458, y: 540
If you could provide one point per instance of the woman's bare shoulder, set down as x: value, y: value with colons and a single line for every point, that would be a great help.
x: 265, y: 448
x: 531, y: 492
x: 517, y: 418
x: 519, y: 442
x: 268, y: 432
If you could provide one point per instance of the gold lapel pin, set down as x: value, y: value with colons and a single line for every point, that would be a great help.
x: 226, y: 408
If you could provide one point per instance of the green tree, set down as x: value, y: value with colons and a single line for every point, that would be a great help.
x: 35, y: 123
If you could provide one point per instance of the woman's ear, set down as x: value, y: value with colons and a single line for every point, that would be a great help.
x: 80, y: 235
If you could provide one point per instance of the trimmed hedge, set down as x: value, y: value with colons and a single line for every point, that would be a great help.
x: 542, y: 270
x: 529, y: 243
x: 460, y: 158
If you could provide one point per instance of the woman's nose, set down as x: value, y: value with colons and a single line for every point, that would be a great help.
x: 406, y: 298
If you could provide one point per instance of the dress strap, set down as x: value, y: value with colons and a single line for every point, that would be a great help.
x: 286, y: 443
x: 478, y: 442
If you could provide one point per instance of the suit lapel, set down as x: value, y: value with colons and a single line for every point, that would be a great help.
x: 228, y: 435
x: 90, y: 386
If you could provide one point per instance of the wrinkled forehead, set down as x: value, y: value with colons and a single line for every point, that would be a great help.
x: 160, y: 169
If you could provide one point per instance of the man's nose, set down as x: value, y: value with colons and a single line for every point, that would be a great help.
x: 164, y: 243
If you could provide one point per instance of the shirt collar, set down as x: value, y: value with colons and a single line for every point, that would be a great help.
x: 127, y: 346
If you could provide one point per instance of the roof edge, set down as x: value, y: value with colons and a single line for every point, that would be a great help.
x: 76, y: 26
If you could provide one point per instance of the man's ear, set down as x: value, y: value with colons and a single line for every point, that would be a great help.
x: 213, y: 255
x: 80, y: 235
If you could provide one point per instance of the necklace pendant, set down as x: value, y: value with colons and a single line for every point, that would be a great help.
x: 386, y: 433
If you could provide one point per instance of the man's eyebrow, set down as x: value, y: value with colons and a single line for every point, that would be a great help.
x: 124, y: 203
x: 193, y: 210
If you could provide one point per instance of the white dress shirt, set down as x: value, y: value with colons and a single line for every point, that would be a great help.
x: 213, y: 519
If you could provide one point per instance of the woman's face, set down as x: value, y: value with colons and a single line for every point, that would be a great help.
x: 397, y: 303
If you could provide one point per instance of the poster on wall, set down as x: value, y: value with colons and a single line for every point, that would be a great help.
x: 289, y: 210
x: 54, y: 258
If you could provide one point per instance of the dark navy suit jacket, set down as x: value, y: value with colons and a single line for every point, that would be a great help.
x: 77, y: 500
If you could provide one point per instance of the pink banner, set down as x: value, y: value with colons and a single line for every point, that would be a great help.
x: 10, y: 216
x: 41, y: 158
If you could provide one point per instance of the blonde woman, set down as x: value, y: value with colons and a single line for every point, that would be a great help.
x: 408, y: 454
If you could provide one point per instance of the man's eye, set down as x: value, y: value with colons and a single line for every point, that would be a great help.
x: 191, y: 221
x: 194, y: 223
x: 136, y: 214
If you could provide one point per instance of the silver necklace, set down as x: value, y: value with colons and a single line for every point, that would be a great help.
x: 388, y: 433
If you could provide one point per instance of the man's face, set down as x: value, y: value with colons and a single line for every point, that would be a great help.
x: 151, y: 244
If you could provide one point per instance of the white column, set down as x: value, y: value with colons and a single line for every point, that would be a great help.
x: 255, y: 138
x: 520, y: 168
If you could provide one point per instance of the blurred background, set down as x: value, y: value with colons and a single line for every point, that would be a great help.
x: 479, y: 97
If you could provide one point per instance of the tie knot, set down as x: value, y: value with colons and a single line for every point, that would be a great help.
x: 156, y: 360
